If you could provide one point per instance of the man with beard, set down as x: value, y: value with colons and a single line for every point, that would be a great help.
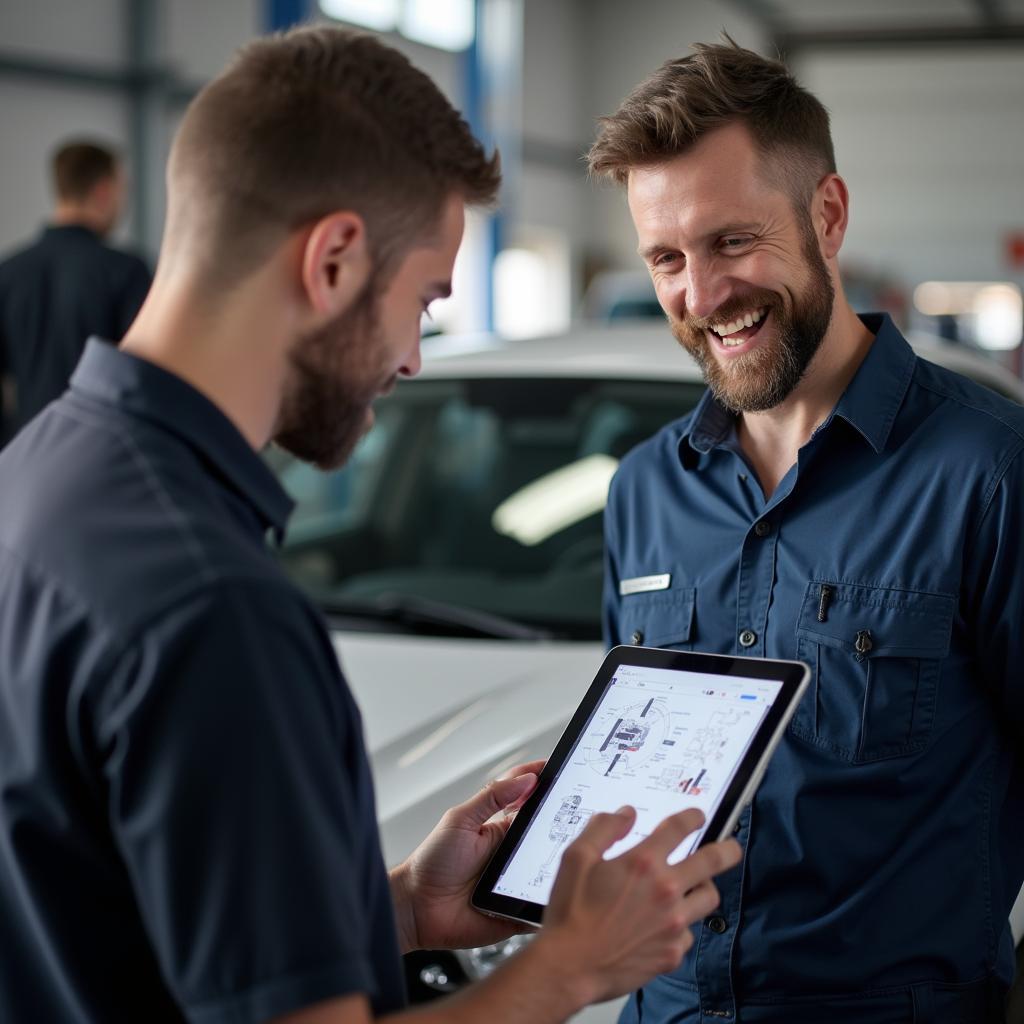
x: 187, y: 827
x: 837, y: 500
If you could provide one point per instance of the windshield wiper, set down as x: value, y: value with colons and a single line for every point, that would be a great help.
x: 423, y: 615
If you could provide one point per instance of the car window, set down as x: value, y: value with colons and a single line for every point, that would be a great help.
x: 485, y: 494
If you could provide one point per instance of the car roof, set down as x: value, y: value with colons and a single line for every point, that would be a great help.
x: 643, y: 350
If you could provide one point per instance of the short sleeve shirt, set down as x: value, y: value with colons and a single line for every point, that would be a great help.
x: 187, y: 822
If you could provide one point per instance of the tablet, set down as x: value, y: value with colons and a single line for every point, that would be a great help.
x: 661, y: 731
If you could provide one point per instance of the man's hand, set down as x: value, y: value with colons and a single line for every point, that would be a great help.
x: 614, y: 924
x: 432, y: 888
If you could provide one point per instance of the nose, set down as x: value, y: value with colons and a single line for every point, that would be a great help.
x: 706, y: 287
x: 414, y: 361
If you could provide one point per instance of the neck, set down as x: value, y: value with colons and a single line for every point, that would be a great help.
x: 772, y: 439
x: 231, y: 348
x: 68, y: 214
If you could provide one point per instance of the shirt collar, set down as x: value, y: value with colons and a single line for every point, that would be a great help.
x: 117, y: 378
x: 869, y: 404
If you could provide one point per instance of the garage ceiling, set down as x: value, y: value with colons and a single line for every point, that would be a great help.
x: 799, y: 24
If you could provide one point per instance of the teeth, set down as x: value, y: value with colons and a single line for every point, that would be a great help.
x: 747, y: 320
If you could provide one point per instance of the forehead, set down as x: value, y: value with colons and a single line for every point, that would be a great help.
x: 721, y: 179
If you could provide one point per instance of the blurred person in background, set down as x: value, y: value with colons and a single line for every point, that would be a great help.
x: 68, y: 284
x: 834, y: 499
x: 187, y: 823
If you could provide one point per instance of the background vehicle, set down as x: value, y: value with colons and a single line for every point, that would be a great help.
x: 459, y: 556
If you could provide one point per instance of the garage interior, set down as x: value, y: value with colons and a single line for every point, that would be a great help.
x: 926, y: 99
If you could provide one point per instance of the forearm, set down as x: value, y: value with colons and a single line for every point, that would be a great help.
x: 537, y: 986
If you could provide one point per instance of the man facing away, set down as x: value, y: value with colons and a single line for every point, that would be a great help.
x: 834, y: 499
x: 187, y: 827
x: 68, y: 284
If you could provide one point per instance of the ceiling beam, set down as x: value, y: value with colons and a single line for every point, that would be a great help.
x: 900, y: 37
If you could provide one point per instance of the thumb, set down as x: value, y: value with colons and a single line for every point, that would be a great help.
x: 494, y: 797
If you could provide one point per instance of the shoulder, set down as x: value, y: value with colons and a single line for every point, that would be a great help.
x: 130, y: 264
x: 970, y: 411
x: 656, y: 454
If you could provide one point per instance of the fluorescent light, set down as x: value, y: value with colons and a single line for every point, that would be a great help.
x: 379, y: 15
x: 556, y: 500
x: 446, y: 24
x: 991, y: 313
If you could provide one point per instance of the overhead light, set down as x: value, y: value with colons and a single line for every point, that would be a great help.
x: 445, y: 24
x: 990, y: 313
x: 379, y: 15
x: 556, y: 500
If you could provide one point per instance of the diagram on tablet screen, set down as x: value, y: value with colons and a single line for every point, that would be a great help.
x: 656, y: 742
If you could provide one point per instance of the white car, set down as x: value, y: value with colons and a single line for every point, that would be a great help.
x: 459, y: 557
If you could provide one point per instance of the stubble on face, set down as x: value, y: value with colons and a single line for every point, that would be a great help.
x: 766, y: 376
x: 335, y: 373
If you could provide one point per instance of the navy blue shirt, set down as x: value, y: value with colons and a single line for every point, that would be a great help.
x: 187, y: 824
x: 885, y: 847
x: 54, y: 294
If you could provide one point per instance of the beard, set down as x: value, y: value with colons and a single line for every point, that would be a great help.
x: 336, y: 372
x: 766, y: 376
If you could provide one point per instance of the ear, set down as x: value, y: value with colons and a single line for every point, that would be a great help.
x: 335, y: 262
x: 831, y: 214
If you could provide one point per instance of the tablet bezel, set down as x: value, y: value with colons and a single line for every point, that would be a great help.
x: 794, y: 677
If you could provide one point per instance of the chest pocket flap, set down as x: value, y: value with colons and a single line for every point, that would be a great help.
x: 876, y: 655
x: 660, y: 619
x: 901, y: 623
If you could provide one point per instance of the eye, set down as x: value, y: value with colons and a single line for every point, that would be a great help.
x: 665, y: 259
x: 732, y: 243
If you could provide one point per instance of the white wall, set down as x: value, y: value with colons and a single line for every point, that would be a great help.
x: 931, y: 144
x: 625, y: 44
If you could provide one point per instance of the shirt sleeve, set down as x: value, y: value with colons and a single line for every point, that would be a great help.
x: 994, y: 592
x: 231, y: 754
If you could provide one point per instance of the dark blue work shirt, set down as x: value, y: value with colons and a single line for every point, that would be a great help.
x: 54, y: 294
x: 187, y: 824
x: 885, y: 847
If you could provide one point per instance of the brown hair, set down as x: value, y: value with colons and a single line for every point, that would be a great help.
x: 79, y: 166
x: 717, y: 85
x: 316, y: 120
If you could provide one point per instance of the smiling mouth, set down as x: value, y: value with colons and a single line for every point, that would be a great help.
x: 740, y: 329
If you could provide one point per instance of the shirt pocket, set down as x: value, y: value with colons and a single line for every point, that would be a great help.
x: 660, y: 619
x: 876, y: 657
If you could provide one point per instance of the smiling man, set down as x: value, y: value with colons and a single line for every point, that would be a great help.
x: 837, y: 500
x: 187, y: 826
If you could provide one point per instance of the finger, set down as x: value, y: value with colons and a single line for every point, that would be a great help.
x: 699, y: 902
x: 494, y: 797
x: 707, y: 862
x: 536, y: 767
x: 672, y: 831
x: 604, y: 830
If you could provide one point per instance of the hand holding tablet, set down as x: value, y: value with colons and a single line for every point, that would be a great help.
x: 660, y: 731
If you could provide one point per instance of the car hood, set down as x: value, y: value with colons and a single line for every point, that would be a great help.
x: 442, y: 717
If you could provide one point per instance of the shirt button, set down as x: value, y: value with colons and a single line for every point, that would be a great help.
x: 762, y: 529
x: 748, y: 638
x: 637, y: 637
x: 717, y: 924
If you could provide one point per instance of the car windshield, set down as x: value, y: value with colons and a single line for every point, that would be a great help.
x: 474, y: 506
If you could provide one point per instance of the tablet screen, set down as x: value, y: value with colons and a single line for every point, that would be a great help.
x: 659, y: 740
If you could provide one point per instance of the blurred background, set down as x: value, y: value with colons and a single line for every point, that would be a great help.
x: 926, y: 98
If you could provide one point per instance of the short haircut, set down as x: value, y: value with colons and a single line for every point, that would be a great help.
x: 309, y: 122
x: 720, y: 84
x: 79, y: 166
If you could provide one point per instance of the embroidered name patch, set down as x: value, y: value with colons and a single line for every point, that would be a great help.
x: 642, y: 584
